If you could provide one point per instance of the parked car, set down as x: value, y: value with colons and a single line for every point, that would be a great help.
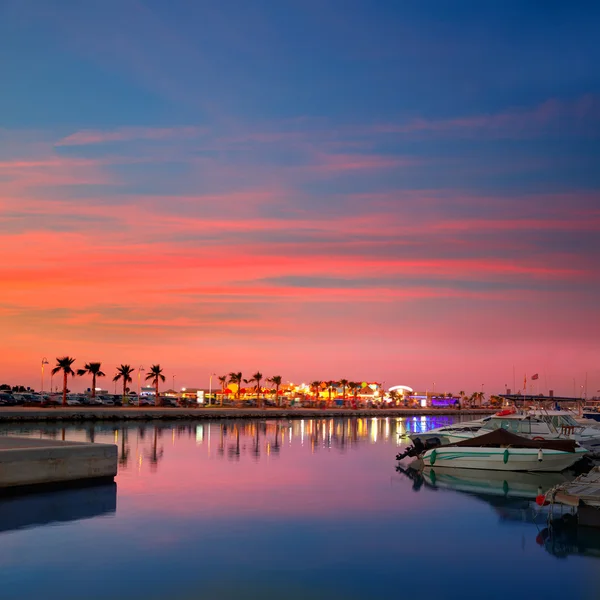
x: 168, y: 402
x: 7, y: 399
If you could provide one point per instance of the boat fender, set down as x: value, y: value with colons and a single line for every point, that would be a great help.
x: 432, y: 457
x: 540, y: 453
x: 540, y: 500
x: 506, y: 456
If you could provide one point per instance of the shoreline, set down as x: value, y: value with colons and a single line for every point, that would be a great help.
x: 81, y: 414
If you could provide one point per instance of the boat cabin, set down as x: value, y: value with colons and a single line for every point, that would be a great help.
x: 521, y: 425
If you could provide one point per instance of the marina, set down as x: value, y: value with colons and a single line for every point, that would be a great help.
x: 250, y: 508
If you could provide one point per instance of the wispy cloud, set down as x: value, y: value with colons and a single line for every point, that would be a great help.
x: 88, y: 137
x: 574, y: 116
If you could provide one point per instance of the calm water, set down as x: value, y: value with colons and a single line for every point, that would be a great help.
x: 278, y: 509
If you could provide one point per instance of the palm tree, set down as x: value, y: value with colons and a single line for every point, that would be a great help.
x: 353, y: 386
x: 257, y: 377
x: 315, y: 386
x: 64, y: 364
x: 124, y: 372
x: 155, y: 375
x: 223, y: 380
x: 276, y: 381
x: 330, y: 385
x: 237, y: 379
x: 344, y: 383
x: 92, y: 369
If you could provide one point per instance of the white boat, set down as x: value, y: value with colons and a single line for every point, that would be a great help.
x: 537, y: 425
x: 502, y: 450
x: 443, y: 434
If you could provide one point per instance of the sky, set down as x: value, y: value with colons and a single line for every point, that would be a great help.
x: 401, y: 192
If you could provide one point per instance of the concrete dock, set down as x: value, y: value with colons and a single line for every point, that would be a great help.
x: 32, y: 463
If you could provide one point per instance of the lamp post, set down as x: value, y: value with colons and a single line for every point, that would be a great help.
x: 44, y: 362
x: 140, y: 369
x: 210, y: 387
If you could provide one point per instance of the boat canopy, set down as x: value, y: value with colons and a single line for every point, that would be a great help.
x: 501, y: 438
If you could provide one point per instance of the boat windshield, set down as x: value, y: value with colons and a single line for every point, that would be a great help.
x: 562, y: 420
x: 518, y: 426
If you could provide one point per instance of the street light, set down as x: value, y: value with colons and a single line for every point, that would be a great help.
x: 44, y: 362
x: 210, y: 387
x: 140, y: 369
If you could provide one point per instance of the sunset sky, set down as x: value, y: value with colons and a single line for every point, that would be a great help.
x: 402, y: 192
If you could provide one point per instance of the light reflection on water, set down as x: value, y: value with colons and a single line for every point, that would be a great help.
x: 281, y: 509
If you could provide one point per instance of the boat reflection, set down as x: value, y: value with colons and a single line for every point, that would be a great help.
x: 60, y: 506
x: 507, y: 484
x: 512, y: 496
x: 563, y: 538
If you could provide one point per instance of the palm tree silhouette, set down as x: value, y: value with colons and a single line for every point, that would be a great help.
x: 155, y: 375
x: 257, y: 377
x: 124, y: 372
x: 344, y: 383
x: 223, y: 381
x: 330, y: 385
x: 237, y: 379
x: 276, y: 381
x: 64, y: 364
x: 92, y: 369
x: 315, y: 386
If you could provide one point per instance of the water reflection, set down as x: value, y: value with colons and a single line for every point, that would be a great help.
x: 511, y: 495
x: 34, y: 510
x: 143, y: 444
x: 277, y: 508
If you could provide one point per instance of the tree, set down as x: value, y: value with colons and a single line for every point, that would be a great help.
x: 315, y: 386
x: 276, y: 381
x: 344, y: 383
x: 155, y: 375
x: 124, y: 372
x: 357, y: 386
x: 223, y: 381
x: 353, y: 387
x: 92, y: 369
x: 64, y: 364
x: 330, y: 386
x: 257, y: 377
x: 237, y: 379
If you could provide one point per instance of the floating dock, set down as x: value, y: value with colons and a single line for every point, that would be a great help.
x: 583, y: 493
x: 27, y: 464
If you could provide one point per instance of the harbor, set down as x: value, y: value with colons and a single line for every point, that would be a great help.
x: 195, y: 501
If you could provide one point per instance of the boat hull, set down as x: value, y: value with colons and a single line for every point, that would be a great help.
x: 502, y: 459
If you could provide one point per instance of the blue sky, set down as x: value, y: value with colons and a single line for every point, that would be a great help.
x: 264, y: 161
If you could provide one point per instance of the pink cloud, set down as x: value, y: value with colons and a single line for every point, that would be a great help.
x: 128, y: 134
x: 514, y: 122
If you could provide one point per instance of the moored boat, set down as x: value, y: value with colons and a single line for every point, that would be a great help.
x: 502, y: 450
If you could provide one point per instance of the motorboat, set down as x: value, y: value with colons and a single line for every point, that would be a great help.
x: 537, y: 425
x: 502, y: 450
x: 443, y: 435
